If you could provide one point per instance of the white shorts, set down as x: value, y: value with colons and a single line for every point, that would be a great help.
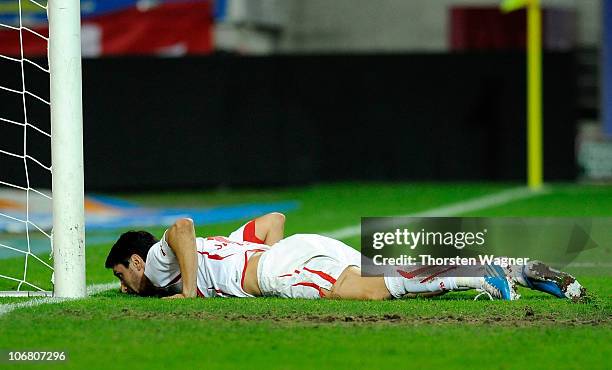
x: 301, y: 265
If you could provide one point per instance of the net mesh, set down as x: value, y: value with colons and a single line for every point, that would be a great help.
x: 25, y: 148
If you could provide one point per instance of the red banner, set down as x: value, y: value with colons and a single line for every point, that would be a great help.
x: 172, y: 29
x: 487, y: 28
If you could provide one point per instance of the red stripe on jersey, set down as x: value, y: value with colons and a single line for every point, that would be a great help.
x: 290, y: 274
x: 322, y: 275
x: 246, y: 262
x: 215, y: 257
x: 220, y: 239
x: 248, y: 233
x: 312, y: 285
x: 437, y: 273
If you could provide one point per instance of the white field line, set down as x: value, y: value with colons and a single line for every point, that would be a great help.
x: 454, y: 209
x: 91, y: 290
x: 6, y: 308
x: 98, y: 288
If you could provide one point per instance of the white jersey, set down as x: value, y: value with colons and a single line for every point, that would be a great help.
x: 222, y: 263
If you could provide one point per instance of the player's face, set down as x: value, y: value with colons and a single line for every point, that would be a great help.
x: 131, y: 278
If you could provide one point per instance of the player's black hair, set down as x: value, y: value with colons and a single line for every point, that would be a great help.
x: 129, y: 243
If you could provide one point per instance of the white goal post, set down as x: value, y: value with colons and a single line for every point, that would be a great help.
x: 67, y: 148
x: 67, y: 235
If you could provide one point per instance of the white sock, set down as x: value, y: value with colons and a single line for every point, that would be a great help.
x: 469, y: 282
x: 400, y: 286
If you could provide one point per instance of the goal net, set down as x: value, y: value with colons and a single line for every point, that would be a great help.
x: 41, y: 230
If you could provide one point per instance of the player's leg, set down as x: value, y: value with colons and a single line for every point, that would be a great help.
x: 351, y: 285
x: 489, y: 280
x: 309, y: 266
x: 270, y: 228
x: 420, y: 281
x: 541, y: 277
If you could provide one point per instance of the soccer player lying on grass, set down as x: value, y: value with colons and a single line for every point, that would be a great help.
x: 256, y: 260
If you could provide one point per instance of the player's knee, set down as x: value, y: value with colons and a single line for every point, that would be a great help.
x: 277, y: 218
x: 350, y: 285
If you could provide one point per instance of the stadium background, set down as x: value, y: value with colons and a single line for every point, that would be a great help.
x: 271, y: 92
x: 328, y: 111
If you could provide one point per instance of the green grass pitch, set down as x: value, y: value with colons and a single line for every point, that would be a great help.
x: 110, y: 330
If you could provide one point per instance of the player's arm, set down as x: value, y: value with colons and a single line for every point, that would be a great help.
x: 181, y: 239
x: 270, y: 228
